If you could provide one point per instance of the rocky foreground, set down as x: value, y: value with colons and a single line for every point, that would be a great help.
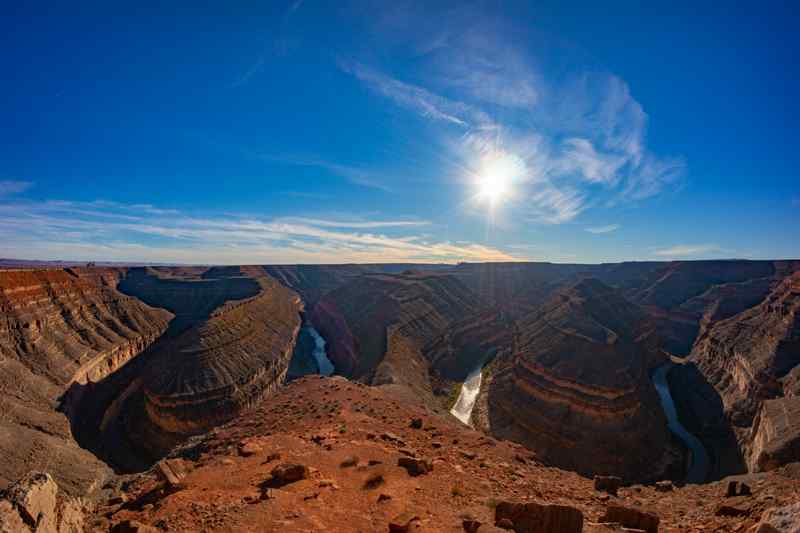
x: 327, y: 454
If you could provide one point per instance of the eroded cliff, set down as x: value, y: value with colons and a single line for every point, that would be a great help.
x: 576, y: 389
x: 61, y: 329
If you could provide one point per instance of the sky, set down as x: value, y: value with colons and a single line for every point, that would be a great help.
x: 329, y: 132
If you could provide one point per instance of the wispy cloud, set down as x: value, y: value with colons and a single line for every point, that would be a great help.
x: 415, y: 98
x: 353, y: 174
x: 113, y: 231
x: 603, y: 229
x: 9, y: 187
x: 582, y: 135
x: 685, y: 250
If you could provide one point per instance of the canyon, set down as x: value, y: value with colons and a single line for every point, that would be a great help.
x: 107, y: 370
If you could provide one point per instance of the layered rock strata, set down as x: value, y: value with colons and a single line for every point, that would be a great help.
x: 576, y: 389
x: 750, y: 360
x: 214, y: 369
x: 58, y: 328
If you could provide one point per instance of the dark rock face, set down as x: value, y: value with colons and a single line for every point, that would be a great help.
x: 577, y: 389
x: 60, y: 330
x: 747, y: 358
x: 381, y: 327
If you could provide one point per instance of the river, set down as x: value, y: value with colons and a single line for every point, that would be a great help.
x: 698, y: 461
x: 468, y: 395
x: 319, y: 353
x: 310, y: 355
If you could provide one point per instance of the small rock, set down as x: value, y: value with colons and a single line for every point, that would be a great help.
x: 725, y: 509
x: 609, y: 484
x: 132, y: 526
x: 664, y: 486
x: 382, y: 497
x: 631, y: 518
x: 118, y: 500
x: 350, y: 460
x: 416, y: 423
x: 402, y: 522
x: 415, y: 467
x: 249, y: 448
x: 272, y: 457
x: 286, y: 473
x: 505, y: 523
x: 373, y: 481
x: 468, y: 454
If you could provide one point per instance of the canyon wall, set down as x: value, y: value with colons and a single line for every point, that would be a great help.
x: 749, y: 359
x: 576, y: 388
x: 61, y: 327
x: 356, y: 318
x: 235, y: 336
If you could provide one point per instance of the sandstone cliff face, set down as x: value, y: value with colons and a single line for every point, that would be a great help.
x: 748, y: 357
x: 59, y: 327
x: 357, y: 318
x: 775, y: 436
x: 576, y: 389
x: 220, y: 361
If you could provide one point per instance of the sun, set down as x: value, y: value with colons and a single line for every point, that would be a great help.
x: 497, y: 175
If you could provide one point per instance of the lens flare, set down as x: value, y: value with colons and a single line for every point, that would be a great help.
x: 498, y: 173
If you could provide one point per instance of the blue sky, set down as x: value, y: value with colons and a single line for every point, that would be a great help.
x: 309, y: 131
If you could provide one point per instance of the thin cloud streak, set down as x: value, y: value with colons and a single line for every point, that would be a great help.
x: 112, y: 231
x: 355, y: 175
x: 683, y: 250
x: 597, y: 230
x: 582, y: 136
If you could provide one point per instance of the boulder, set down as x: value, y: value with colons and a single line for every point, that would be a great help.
x: 739, y: 509
x: 664, y: 486
x: 532, y: 517
x: 402, y: 522
x: 286, y: 473
x: 415, y: 467
x: 609, y: 484
x: 631, y: 518
x: 172, y: 471
x: 737, y: 488
x: 784, y: 519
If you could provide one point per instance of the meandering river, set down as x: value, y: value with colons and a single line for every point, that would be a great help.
x: 698, y: 461
x: 469, y: 394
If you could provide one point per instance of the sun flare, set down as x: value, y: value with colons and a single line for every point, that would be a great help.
x: 497, y: 176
